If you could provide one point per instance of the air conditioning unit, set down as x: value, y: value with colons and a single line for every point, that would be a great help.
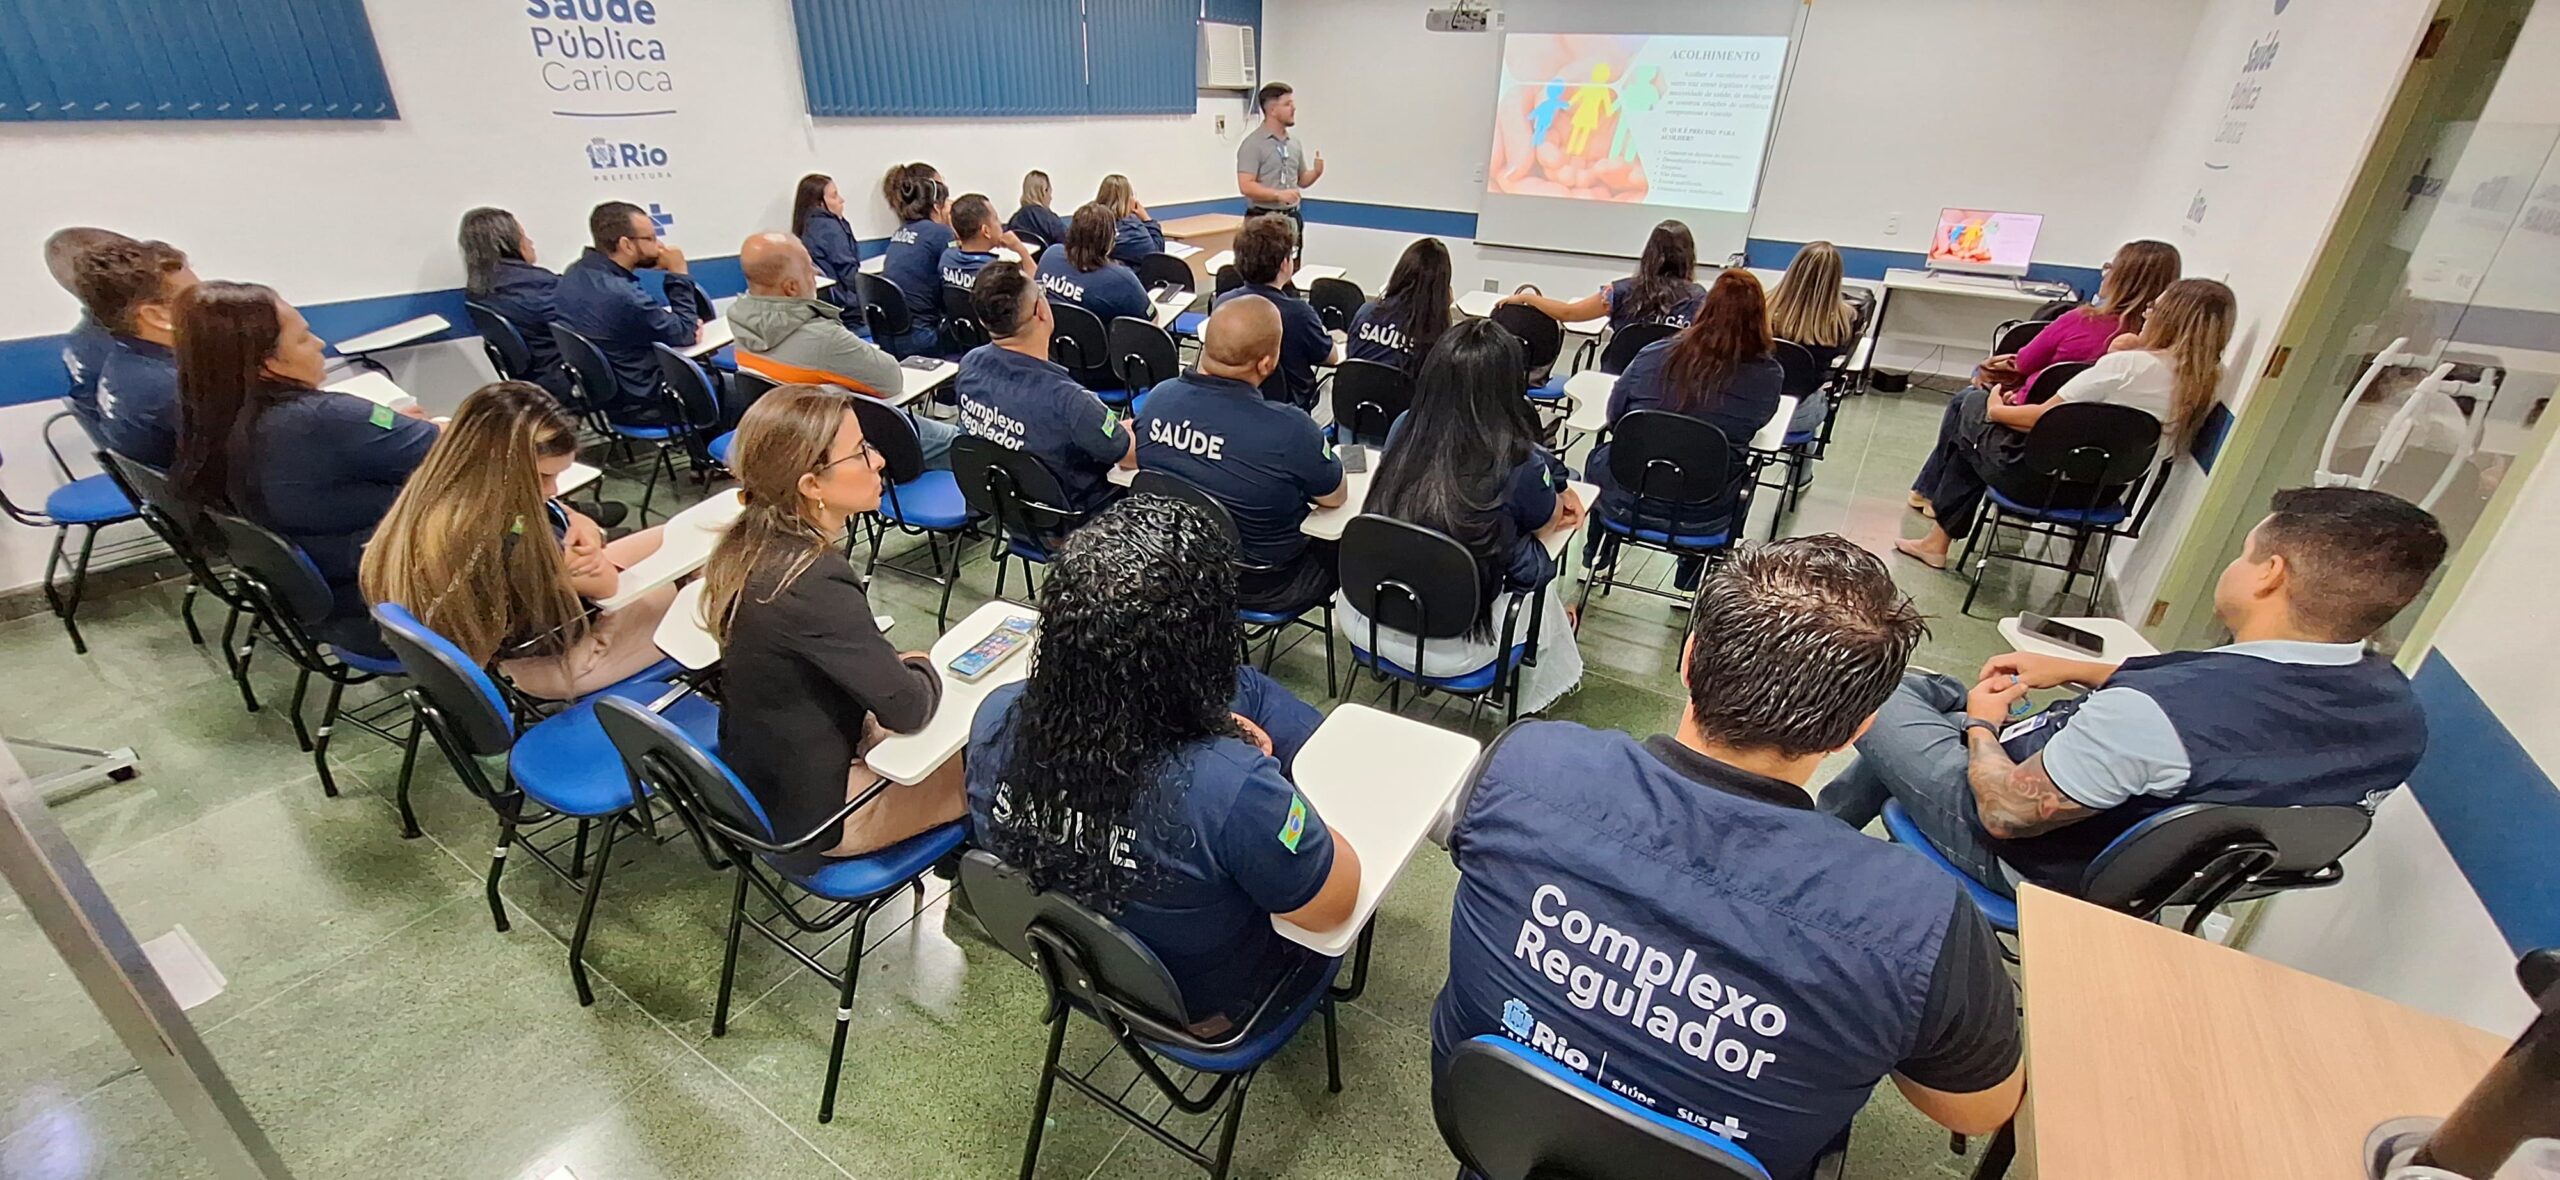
x: 1227, y: 60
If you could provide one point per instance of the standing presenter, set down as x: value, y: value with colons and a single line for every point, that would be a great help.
x: 1272, y: 167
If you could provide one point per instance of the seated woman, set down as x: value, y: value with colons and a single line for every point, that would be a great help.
x: 1034, y: 218
x: 1465, y: 461
x: 453, y: 550
x: 913, y: 259
x: 260, y: 438
x: 1664, y: 289
x: 1807, y: 309
x: 1079, y: 269
x: 499, y: 269
x: 1405, y: 321
x: 1135, y: 232
x: 1146, y: 775
x: 1718, y: 370
x: 2140, y: 271
x: 817, y: 219
x: 2169, y: 371
x: 808, y: 682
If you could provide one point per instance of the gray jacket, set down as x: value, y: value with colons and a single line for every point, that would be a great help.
x: 806, y: 340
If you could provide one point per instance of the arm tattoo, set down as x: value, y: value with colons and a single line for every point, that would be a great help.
x: 2015, y: 799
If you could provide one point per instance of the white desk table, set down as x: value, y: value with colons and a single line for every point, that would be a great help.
x: 686, y: 542
x: 909, y: 758
x: 1325, y: 524
x: 1558, y: 540
x: 1944, y: 311
x: 1171, y: 306
x: 919, y: 382
x: 1307, y: 275
x: 577, y: 477
x: 685, y: 636
x: 1218, y: 262
x: 373, y: 387
x: 2122, y: 641
x: 1379, y: 781
x: 404, y: 332
x: 715, y: 336
x: 875, y: 264
x: 1180, y: 249
x: 1590, y: 390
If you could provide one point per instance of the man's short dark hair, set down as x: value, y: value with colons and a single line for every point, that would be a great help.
x: 971, y: 213
x: 116, y: 279
x: 1272, y: 92
x: 1795, y: 643
x: 610, y: 222
x: 2354, y: 557
x: 1262, y: 245
x: 1003, y: 296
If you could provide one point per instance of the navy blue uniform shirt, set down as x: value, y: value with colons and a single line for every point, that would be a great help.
x: 526, y: 295
x: 914, y: 263
x: 1304, y: 344
x: 322, y: 471
x: 1528, y: 501
x: 138, y: 402
x: 1039, y: 221
x: 605, y: 303
x: 1376, y: 335
x: 1110, y: 292
x: 85, y: 349
x: 1135, y: 238
x: 831, y: 246
x: 1747, y: 402
x: 1692, y: 298
x: 1031, y: 404
x: 960, y: 266
x: 1261, y: 459
x: 1238, y: 844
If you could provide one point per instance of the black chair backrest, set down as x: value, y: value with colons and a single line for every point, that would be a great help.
x: 658, y: 753
x: 1670, y: 463
x: 1541, y: 337
x: 2050, y: 379
x: 884, y: 306
x: 2091, y: 443
x: 1409, y: 578
x: 1014, y: 487
x: 475, y: 713
x: 1032, y: 240
x: 889, y: 432
x: 1802, y: 378
x: 1142, y: 354
x: 1337, y: 300
x: 1087, y: 957
x: 961, y: 330
x: 1158, y: 483
x: 2017, y: 334
x: 592, y: 374
x: 1864, y: 301
x: 750, y: 385
x: 278, y: 570
x: 2159, y: 861
x: 178, y: 521
x: 1080, y: 343
x: 504, y: 342
x: 1512, y: 1113
x: 1227, y: 279
x: 1368, y: 397
x: 690, y: 387
x: 1626, y: 342
x: 1165, y: 270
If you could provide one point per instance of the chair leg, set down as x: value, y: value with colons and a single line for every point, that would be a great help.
x: 729, y: 956
x: 301, y: 687
x: 79, y: 585
x: 587, y: 911
x: 1332, y: 1052
x: 1327, y: 636
x: 53, y: 593
x: 510, y: 809
x: 1997, y: 1154
x: 1058, y: 1018
x: 408, y: 768
x: 1235, y: 1121
x: 844, y: 1017
x: 942, y: 613
x: 187, y: 613
x: 1983, y: 522
x: 238, y: 659
x: 578, y: 851
x: 320, y: 741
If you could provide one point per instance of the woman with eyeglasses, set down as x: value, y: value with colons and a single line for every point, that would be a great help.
x: 808, y: 680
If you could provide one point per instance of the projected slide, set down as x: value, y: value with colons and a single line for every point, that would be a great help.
x: 1649, y: 120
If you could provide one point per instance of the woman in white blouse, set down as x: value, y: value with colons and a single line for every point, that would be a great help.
x: 2169, y: 371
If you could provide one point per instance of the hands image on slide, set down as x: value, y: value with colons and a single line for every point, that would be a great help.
x: 1634, y: 119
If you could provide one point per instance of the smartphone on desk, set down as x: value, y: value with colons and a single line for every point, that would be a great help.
x: 1010, y: 636
x: 924, y: 364
x: 1355, y: 459
x: 2062, y: 633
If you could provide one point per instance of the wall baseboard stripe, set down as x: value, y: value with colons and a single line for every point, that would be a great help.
x: 2494, y: 807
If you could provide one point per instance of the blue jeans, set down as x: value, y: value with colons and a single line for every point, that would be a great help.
x: 1916, y: 753
x: 933, y: 437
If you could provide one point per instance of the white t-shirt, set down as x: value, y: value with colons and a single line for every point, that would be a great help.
x: 2129, y: 378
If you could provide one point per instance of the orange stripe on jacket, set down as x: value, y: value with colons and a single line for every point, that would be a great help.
x: 789, y: 374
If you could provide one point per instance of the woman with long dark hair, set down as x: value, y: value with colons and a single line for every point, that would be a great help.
x: 1664, y: 289
x: 260, y: 438
x: 1718, y: 370
x: 808, y: 681
x: 1465, y: 461
x: 922, y: 204
x: 1079, y: 269
x: 1401, y: 325
x: 501, y: 270
x: 817, y: 219
x: 1032, y: 216
x: 1140, y: 771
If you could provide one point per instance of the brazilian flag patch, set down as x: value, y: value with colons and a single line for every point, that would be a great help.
x: 1110, y: 423
x: 1294, y: 828
x: 384, y: 417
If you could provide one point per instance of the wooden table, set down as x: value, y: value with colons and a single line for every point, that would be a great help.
x: 1210, y: 233
x: 1380, y: 781
x: 2152, y: 1055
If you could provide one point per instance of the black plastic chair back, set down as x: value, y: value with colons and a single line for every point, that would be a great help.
x: 750, y: 385
x: 461, y: 692
x: 1802, y: 378
x: 1165, y: 270
x: 690, y: 387
x: 1013, y: 487
x: 1142, y: 354
x: 1337, y: 300
x: 1671, y: 460
x: 179, y: 522
x: 1510, y: 1114
x: 2018, y: 334
x: 1227, y: 279
x: 1368, y: 397
x: 2050, y: 379
x: 1864, y: 301
x: 884, y: 306
x: 278, y: 571
x: 2203, y: 852
x: 591, y: 373
x: 2081, y: 456
x: 502, y: 340
x: 1409, y: 578
x: 1626, y: 342
x: 1087, y: 958
x: 1081, y: 344
x: 961, y: 330
x: 889, y: 432
x: 1034, y: 242
x: 665, y: 758
x: 1158, y: 483
x: 1541, y: 337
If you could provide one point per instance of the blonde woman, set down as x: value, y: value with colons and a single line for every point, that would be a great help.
x: 1137, y: 235
x: 1807, y: 308
x: 808, y: 681
x: 463, y: 547
x: 2169, y: 371
x: 1033, y: 217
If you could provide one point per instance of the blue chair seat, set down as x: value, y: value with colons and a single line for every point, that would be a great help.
x: 1552, y: 391
x: 95, y: 500
x: 2002, y: 911
x: 1261, y: 1042
x: 929, y: 501
x: 1797, y: 438
x: 2106, y: 514
x: 370, y: 665
x: 1026, y: 550
x: 1659, y: 537
x: 568, y: 764
x: 720, y: 447
x: 855, y: 878
x: 1267, y: 618
x: 1188, y: 323
x: 645, y: 433
x: 1476, y: 681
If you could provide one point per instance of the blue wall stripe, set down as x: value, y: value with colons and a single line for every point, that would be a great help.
x: 2494, y: 807
x: 242, y: 59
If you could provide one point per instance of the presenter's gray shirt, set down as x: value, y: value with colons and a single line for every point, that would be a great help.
x: 1275, y: 161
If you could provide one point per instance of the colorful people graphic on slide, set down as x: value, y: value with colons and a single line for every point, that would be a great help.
x: 1636, y: 97
x: 1545, y: 115
x: 1591, y: 103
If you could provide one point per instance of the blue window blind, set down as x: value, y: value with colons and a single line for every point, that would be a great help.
x: 1233, y: 12
x: 945, y: 57
x: 1143, y: 55
x: 190, y: 59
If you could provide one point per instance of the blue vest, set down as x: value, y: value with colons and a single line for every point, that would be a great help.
x: 2258, y: 733
x: 1726, y: 960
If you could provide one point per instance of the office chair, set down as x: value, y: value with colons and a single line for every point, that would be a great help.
x: 1683, y: 497
x: 1227, y: 279
x: 1626, y: 342
x: 1509, y: 1112
x: 182, y: 527
x: 1337, y: 301
x: 913, y: 499
x: 1368, y: 397
x: 1803, y: 380
x: 1541, y: 346
x: 1083, y: 347
x: 2082, y: 464
x: 1023, y: 497
x: 961, y: 330
x: 89, y: 504
x: 885, y: 311
x: 690, y: 400
x: 1265, y: 625
x: 1165, y: 270
x: 1425, y: 586
x: 2014, y: 335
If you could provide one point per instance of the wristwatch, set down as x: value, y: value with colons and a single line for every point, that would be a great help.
x: 1974, y: 723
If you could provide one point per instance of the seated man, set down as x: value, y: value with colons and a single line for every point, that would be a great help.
x: 1261, y: 459
x: 2294, y: 711
x: 1264, y: 260
x: 1675, y: 921
x: 600, y: 299
x: 1195, y: 856
x: 1011, y: 392
x: 86, y: 346
x: 786, y: 333
x: 133, y: 288
x: 975, y: 235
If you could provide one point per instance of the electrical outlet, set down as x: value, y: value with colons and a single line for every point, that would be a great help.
x: 1222, y: 124
x: 1480, y: 174
x: 1492, y: 285
x: 1892, y: 224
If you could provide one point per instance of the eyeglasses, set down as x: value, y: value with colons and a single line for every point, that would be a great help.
x: 860, y: 450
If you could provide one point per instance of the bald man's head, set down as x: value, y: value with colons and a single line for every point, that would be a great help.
x: 777, y: 264
x: 1242, y: 340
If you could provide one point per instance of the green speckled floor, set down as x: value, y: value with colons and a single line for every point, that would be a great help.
x: 377, y: 1025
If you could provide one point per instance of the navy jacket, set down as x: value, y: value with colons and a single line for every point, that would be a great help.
x: 601, y: 301
x: 1039, y: 221
x: 138, y: 402
x: 1137, y: 238
x: 1304, y: 344
x: 524, y: 294
x: 85, y: 349
x: 831, y: 245
x: 1745, y: 404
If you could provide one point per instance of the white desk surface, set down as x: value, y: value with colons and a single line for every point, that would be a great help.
x: 404, y: 332
x: 688, y: 537
x: 1590, y: 391
x: 372, y: 387
x: 715, y: 336
x: 1979, y: 288
x: 1180, y: 249
x: 1480, y: 304
x: 2122, y: 640
x: 1307, y: 275
x: 1769, y: 279
x: 824, y: 282
x: 908, y: 758
x: 875, y: 264
x: 1219, y: 261
x: 1325, y: 524
x: 1379, y: 781
x: 919, y: 382
x: 1558, y: 540
x: 578, y: 476
x: 685, y: 636
x: 1171, y: 307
